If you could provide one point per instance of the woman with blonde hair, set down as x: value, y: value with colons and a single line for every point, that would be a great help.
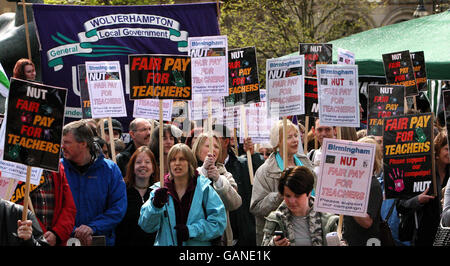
x: 265, y: 196
x: 223, y: 181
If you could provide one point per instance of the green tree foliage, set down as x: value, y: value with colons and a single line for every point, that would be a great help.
x: 276, y: 27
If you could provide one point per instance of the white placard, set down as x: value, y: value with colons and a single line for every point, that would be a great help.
x: 105, y: 89
x: 338, y: 95
x: 149, y: 108
x: 231, y: 117
x: 345, y: 57
x: 209, y: 63
x: 344, y: 180
x: 258, y: 124
x: 198, y: 107
x: 285, y: 78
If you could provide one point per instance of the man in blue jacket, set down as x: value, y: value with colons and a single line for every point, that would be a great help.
x: 97, y: 185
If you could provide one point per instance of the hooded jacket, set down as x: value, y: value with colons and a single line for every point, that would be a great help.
x: 201, y: 230
x: 99, y: 195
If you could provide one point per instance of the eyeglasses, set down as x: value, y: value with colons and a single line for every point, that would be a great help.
x: 143, y: 129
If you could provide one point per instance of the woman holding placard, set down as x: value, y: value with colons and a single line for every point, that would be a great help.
x: 142, y: 172
x: 223, y: 181
x: 358, y: 230
x: 265, y: 196
x: 295, y: 223
x: 187, y: 211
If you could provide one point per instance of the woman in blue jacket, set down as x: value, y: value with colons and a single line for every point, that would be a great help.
x: 187, y: 211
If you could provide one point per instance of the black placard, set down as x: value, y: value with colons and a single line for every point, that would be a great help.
x: 418, y: 61
x: 85, y: 101
x: 243, y: 77
x: 34, y: 123
x: 160, y: 77
x: 384, y: 101
x: 315, y: 54
x: 399, y: 70
x: 311, y: 97
x: 408, y: 155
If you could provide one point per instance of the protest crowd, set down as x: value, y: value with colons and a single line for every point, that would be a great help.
x: 203, y: 183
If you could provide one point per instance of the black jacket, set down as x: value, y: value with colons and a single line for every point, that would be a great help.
x: 128, y: 232
x: 123, y: 158
x: 242, y: 221
x: 10, y: 213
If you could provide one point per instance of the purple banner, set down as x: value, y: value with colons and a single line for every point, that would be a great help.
x: 71, y: 35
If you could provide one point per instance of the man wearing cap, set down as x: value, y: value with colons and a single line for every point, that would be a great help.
x: 140, y: 130
x: 117, y: 129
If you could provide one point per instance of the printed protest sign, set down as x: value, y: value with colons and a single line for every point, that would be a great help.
x: 105, y: 89
x: 34, y: 123
x: 209, y: 57
x: 408, y: 155
x: 231, y: 118
x: 345, y: 57
x: 285, y: 86
x: 418, y: 62
x: 338, y: 95
x: 311, y: 97
x: 343, y: 185
x: 384, y: 101
x: 399, y: 71
x: 85, y: 102
x: 149, y: 108
x: 258, y: 123
x: 243, y: 77
x: 198, y: 107
x: 316, y: 54
x: 160, y: 77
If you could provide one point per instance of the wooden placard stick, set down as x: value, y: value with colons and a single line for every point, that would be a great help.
x: 340, y: 222
x: 285, y: 159
x: 111, y: 139
x: 415, y: 102
x: 26, y: 198
x: 338, y: 129
x: 161, y: 146
x: 102, y: 128
x: 249, y: 155
x: 27, y: 32
x: 210, y: 125
x: 10, y: 187
x: 341, y: 217
x: 305, y: 135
